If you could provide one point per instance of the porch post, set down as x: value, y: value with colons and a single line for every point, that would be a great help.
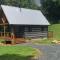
x: 4, y: 26
x: 4, y: 30
x: 12, y: 35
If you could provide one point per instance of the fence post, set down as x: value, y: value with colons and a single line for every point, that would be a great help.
x: 50, y: 35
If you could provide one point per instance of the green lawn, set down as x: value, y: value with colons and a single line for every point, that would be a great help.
x: 56, y: 31
x: 44, y: 41
x: 16, y: 52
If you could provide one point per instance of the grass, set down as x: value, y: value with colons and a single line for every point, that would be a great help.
x: 56, y: 31
x: 2, y: 40
x: 44, y: 41
x: 16, y: 52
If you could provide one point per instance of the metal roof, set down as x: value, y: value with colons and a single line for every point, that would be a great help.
x: 23, y: 16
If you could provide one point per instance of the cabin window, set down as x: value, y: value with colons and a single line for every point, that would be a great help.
x: 29, y: 29
x: 43, y: 29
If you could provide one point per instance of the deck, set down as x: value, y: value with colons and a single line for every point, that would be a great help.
x: 8, y: 37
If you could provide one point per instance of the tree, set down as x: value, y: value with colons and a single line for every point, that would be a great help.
x: 51, y: 8
x: 20, y: 3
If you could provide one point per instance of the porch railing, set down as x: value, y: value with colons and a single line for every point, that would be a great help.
x: 7, y: 34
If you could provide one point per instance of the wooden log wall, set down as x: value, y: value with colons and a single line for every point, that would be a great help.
x: 29, y: 31
x: 36, y: 31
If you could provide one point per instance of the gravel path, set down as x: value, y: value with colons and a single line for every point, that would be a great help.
x: 50, y: 52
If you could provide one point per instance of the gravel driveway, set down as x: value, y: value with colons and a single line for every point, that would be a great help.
x: 50, y: 52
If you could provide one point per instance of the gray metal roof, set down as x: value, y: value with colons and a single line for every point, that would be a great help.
x: 24, y: 16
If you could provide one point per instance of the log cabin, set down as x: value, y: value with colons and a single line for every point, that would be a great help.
x: 22, y: 22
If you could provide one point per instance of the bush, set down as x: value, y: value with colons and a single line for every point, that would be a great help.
x: 2, y: 41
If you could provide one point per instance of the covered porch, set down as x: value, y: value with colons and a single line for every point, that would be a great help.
x: 7, y: 33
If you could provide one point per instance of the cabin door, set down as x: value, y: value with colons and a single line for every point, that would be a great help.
x: 19, y: 31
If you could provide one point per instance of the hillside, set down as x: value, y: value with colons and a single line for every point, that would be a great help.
x: 55, y: 28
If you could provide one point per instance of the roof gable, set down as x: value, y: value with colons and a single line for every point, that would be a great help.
x: 24, y: 16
